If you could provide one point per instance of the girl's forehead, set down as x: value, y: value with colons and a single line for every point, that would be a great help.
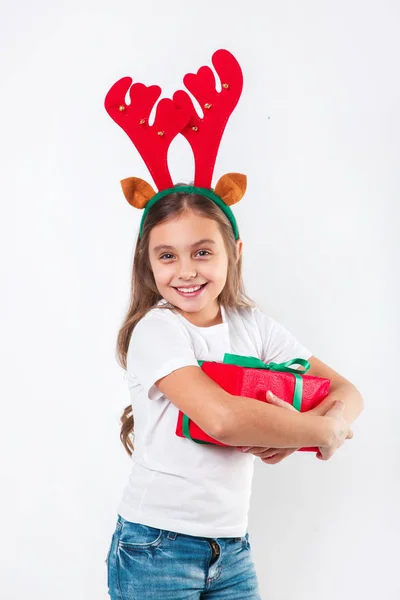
x: 185, y: 230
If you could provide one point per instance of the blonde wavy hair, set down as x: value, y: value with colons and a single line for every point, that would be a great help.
x: 144, y: 294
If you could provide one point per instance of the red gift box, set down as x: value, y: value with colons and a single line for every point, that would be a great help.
x: 250, y: 377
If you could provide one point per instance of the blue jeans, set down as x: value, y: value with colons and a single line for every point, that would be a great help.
x: 146, y: 563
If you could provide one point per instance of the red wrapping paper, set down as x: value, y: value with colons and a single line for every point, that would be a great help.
x: 254, y: 384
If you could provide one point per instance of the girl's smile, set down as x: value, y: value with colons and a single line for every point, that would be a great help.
x: 191, y: 292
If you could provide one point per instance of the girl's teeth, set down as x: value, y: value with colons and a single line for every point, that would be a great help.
x: 194, y: 289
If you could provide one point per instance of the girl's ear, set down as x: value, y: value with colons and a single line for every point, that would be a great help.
x: 231, y: 188
x: 137, y: 191
x: 239, y: 249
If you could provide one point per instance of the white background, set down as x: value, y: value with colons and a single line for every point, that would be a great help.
x: 317, y: 132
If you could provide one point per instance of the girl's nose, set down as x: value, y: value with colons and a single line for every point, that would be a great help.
x: 187, y: 274
x: 186, y: 269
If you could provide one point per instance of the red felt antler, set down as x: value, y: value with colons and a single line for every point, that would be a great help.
x: 153, y: 141
x: 204, y: 134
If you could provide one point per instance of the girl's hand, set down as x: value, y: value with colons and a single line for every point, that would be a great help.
x: 275, y: 455
x: 341, y: 431
x: 272, y: 456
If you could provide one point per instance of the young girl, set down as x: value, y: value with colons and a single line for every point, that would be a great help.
x: 181, y: 531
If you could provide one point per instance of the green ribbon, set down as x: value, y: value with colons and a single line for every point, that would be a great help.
x: 251, y: 362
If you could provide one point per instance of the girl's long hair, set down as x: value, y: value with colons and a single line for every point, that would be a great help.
x: 144, y: 294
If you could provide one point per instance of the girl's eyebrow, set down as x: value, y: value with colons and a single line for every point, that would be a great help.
x: 166, y: 247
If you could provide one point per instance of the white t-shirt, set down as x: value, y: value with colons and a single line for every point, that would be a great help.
x: 176, y: 484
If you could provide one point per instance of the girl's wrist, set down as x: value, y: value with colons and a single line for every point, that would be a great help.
x: 328, y: 432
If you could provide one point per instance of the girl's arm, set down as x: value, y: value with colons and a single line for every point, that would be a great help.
x: 240, y: 421
x: 254, y: 423
x: 340, y: 389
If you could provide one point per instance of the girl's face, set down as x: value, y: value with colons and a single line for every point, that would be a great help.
x: 186, y: 253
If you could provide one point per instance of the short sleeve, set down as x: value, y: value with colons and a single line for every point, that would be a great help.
x: 159, y: 344
x: 278, y: 343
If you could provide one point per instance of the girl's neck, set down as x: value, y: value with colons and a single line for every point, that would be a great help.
x: 206, y: 317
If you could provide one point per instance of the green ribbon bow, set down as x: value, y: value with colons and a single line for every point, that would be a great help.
x: 251, y: 362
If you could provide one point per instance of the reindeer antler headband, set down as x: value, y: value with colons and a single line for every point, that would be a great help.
x: 179, y: 116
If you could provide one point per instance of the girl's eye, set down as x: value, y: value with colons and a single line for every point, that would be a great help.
x: 166, y: 256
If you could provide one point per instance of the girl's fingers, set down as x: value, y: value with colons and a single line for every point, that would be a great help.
x: 261, y: 451
x: 278, y: 402
x: 281, y: 453
x: 276, y: 458
x: 270, y: 452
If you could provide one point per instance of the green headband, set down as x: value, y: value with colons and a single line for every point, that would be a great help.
x: 193, y: 190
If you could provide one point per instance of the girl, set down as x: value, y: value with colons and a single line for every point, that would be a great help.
x: 181, y: 531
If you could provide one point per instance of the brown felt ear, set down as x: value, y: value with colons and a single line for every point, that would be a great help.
x: 231, y: 188
x: 137, y: 191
